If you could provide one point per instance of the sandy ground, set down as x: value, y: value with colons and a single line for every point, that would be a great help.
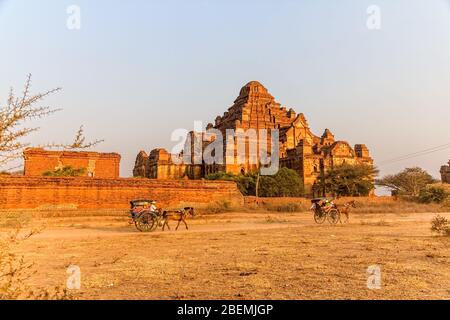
x: 245, y: 256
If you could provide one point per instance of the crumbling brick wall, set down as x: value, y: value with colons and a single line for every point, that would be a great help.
x: 18, y: 192
x: 99, y: 165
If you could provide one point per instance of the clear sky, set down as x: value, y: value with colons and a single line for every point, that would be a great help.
x: 136, y: 70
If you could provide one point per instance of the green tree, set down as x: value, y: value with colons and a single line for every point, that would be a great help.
x: 350, y: 180
x: 285, y: 183
x: 67, y: 171
x: 245, y: 183
x: 409, y: 182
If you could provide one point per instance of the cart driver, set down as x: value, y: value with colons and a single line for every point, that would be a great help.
x: 153, y: 207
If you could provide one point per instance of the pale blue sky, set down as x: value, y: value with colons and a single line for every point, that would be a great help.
x: 139, y: 69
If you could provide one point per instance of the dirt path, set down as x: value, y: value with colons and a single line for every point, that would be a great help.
x: 100, y: 228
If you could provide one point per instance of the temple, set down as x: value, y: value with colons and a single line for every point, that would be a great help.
x: 255, y: 108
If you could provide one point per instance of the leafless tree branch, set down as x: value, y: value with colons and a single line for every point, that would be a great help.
x: 21, y: 109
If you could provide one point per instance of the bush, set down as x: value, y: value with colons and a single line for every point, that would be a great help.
x: 446, y: 202
x: 440, y: 225
x: 67, y: 171
x: 434, y: 194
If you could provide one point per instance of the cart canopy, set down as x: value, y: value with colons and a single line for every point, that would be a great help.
x: 140, y: 203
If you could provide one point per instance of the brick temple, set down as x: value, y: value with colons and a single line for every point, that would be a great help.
x: 255, y: 108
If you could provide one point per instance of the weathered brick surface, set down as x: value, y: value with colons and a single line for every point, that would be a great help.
x: 34, y: 192
x: 99, y: 165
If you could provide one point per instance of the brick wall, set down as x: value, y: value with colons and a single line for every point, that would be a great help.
x: 18, y: 192
x: 100, y: 165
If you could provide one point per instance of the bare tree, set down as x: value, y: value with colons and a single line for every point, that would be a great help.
x: 13, y: 124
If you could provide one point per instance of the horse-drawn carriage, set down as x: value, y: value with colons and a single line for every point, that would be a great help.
x: 325, y: 209
x: 147, y: 217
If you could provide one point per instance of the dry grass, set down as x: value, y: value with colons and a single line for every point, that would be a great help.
x: 287, y: 207
x: 379, y: 223
x: 247, y: 255
x: 397, y: 207
x: 217, y: 207
x: 16, y: 270
x: 363, y: 205
x: 273, y: 219
x: 15, y: 219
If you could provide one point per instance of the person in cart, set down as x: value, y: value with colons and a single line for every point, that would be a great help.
x: 327, y: 204
x: 138, y: 206
x: 154, y: 207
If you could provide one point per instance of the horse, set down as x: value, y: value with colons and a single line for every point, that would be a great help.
x: 180, y: 216
x: 347, y: 208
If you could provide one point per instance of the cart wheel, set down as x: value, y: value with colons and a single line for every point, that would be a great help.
x: 319, y: 217
x: 334, y: 216
x: 146, y: 223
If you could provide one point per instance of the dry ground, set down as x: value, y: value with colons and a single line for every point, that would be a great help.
x: 245, y: 256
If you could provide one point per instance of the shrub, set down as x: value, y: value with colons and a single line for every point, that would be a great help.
x: 440, y: 225
x: 246, y: 184
x: 67, y: 171
x: 446, y: 202
x: 434, y: 194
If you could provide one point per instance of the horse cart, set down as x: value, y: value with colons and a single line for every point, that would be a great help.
x: 147, y: 218
x: 143, y: 217
x: 325, y: 209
